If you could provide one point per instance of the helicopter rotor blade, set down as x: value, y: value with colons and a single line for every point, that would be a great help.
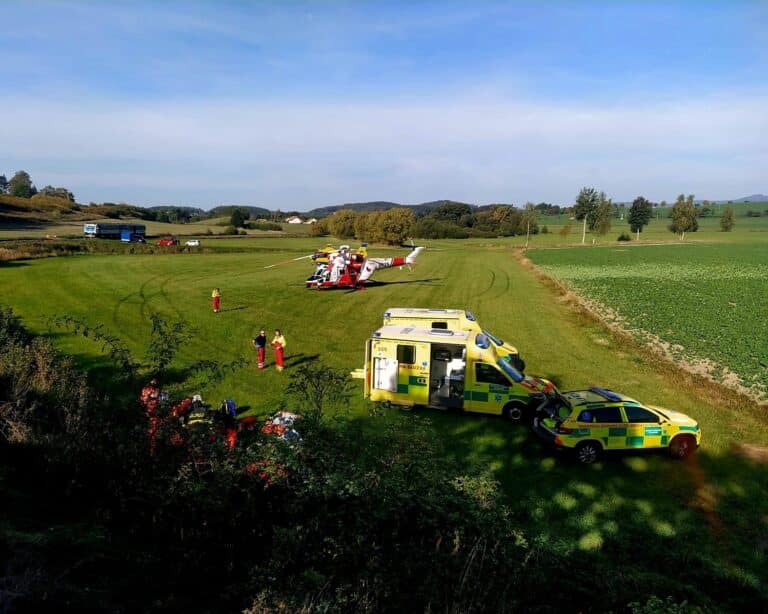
x: 269, y: 266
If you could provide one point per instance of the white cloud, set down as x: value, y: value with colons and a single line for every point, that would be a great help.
x: 480, y: 149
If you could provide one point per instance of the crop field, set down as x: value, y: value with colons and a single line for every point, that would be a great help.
x: 696, y: 530
x: 708, y: 301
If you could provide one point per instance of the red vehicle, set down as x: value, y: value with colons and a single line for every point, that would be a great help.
x: 168, y: 241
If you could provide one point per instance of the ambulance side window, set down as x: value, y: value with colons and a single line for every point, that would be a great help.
x: 406, y: 354
x: 440, y: 325
x: 488, y: 374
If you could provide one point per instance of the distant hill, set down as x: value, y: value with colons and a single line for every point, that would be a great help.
x: 377, y: 205
x: 41, y: 209
x: 755, y: 198
x: 381, y: 205
x: 226, y: 210
x: 191, y: 211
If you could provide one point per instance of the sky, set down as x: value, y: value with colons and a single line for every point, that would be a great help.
x: 296, y: 105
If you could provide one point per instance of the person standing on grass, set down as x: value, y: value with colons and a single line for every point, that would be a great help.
x: 278, y: 342
x: 260, y: 343
x: 216, y: 298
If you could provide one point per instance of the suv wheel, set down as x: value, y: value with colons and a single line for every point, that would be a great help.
x: 515, y: 412
x: 681, y: 446
x: 587, y: 452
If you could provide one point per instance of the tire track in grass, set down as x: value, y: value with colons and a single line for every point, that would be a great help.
x: 127, y: 297
x: 507, y: 285
x: 164, y: 294
x: 490, y: 286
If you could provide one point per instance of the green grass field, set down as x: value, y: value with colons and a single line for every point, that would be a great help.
x: 710, y: 300
x: 696, y: 529
x: 64, y: 229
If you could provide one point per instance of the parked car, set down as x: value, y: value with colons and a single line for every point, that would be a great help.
x: 193, y: 243
x: 168, y: 241
x: 588, y: 422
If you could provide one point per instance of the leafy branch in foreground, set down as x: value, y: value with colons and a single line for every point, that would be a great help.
x: 118, y: 353
x: 318, y: 386
x: 214, y: 372
x: 165, y: 341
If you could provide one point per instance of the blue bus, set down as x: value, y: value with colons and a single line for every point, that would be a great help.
x: 128, y: 233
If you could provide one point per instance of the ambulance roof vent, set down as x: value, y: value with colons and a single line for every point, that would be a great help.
x: 441, y: 332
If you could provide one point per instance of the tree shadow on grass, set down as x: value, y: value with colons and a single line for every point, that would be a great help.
x: 628, y: 527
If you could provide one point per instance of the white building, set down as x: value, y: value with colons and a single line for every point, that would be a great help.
x: 293, y: 220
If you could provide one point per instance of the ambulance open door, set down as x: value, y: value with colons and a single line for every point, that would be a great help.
x: 385, y: 374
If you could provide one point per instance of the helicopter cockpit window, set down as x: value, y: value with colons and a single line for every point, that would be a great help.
x: 406, y: 354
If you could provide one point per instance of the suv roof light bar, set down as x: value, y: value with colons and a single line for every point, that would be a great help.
x: 610, y: 395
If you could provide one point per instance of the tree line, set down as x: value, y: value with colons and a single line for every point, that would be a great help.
x: 21, y: 186
x: 593, y: 208
x: 450, y: 220
x: 447, y: 221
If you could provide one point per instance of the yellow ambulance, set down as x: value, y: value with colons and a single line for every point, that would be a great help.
x: 447, y: 369
x: 451, y: 319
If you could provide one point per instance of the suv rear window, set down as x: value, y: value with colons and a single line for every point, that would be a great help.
x: 600, y: 414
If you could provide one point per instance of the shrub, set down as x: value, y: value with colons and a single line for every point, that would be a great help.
x: 230, y: 230
x: 624, y: 237
x: 265, y: 226
x: 430, y: 228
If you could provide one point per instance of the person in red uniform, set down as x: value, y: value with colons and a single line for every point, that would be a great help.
x: 150, y: 399
x: 260, y: 343
x: 278, y: 343
x: 216, y: 300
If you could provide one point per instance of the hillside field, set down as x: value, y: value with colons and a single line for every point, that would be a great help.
x: 708, y: 302
x: 642, y: 523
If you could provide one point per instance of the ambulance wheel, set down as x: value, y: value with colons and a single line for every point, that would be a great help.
x: 682, y: 447
x: 587, y: 452
x: 515, y: 412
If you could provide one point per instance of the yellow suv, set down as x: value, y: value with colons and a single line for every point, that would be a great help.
x: 594, y: 420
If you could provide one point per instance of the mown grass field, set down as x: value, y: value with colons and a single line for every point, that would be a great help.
x: 35, y: 230
x: 695, y: 530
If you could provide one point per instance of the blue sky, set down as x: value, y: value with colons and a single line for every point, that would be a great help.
x: 302, y: 104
